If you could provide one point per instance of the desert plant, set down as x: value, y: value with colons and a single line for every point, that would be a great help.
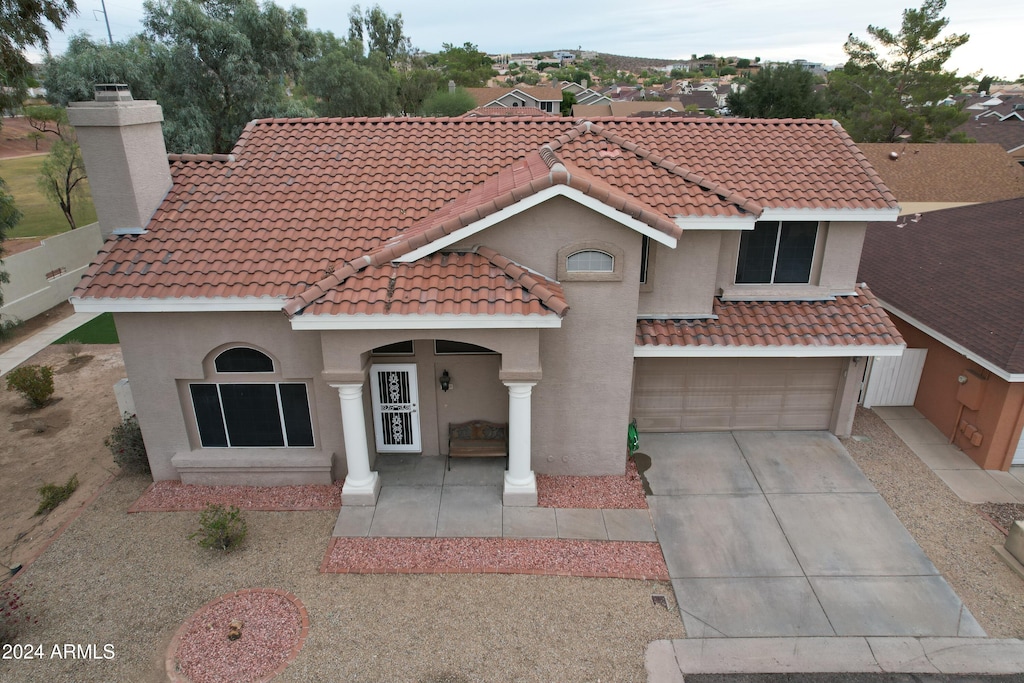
x: 126, y: 445
x: 74, y: 348
x: 51, y: 495
x: 34, y: 382
x: 8, y: 326
x: 220, y: 528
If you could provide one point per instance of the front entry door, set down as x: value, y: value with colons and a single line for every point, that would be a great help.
x: 396, y: 420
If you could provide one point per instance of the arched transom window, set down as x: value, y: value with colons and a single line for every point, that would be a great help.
x: 590, y: 261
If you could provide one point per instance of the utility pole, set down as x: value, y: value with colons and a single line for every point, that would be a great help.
x: 106, y: 19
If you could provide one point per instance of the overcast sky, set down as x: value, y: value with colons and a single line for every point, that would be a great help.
x: 770, y: 29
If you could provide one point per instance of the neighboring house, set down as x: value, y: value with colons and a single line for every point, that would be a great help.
x: 953, y: 282
x: 1006, y: 130
x: 583, y: 94
x: 287, y: 311
x: 704, y: 102
x: 545, y: 98
x: 621, y: 108
x: 509, y: 111
x: 931, y: 176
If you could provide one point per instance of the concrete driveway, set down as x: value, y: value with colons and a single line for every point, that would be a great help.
x: 780, y: 534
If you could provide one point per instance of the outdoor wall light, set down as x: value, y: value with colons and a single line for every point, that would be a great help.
x: 446, y: 381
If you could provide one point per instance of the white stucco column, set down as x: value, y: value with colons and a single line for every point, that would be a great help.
x: 520, y: 482
x: 361, y: 485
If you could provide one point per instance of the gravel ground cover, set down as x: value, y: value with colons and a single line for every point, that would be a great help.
x: 1003, y: 514
x: 173, y: 496
x: 955, y: 537
x: 557, y: 557
x: 132, y: 580
x: 612, y: 492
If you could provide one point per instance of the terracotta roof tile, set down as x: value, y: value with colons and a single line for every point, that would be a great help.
x: 299, y: 196
x: 853, y: 320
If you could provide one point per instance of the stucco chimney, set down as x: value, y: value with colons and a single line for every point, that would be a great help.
x: 123, y: 149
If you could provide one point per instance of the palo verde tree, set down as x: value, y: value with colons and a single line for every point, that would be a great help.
x: 23, y: 24
x: 62, y: 175
x: 779, y: 92
x: 892, y: 85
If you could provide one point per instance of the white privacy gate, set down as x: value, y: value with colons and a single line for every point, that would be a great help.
x: 893, y: 380
x: 395, y: 399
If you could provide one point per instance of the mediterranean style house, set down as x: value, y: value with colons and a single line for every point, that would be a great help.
x: 335, y: 289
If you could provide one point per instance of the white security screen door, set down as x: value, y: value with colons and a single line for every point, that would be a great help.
x: 396, y: 421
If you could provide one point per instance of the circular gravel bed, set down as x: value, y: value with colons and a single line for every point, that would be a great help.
x: 271, y: 626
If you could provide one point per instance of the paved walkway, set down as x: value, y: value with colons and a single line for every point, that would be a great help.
x: 961, y: 474
x: 17, y: 355
x: 779, y: 534
x: 419, y: 498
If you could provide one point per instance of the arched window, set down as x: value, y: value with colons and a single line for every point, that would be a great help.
x: 243, y: 359
x: 590, y: 261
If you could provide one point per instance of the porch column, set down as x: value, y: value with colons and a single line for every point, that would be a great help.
x: 520, y: 482
x: 361, y: 485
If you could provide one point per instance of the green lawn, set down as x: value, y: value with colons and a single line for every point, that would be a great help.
x: 99, y: 330
x: 42, y: 218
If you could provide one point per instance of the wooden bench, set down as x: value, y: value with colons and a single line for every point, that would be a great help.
x: 477, y: 439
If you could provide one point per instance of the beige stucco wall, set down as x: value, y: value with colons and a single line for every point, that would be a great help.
x: 581, y: 404
x: 29, y: 292
x: 163, y: 351
x: 682, y: 280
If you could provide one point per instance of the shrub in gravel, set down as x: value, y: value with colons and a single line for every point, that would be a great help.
x: 52, y: 495
x: 34, y: 382
x: 220, y: 528
x: 126, y: 445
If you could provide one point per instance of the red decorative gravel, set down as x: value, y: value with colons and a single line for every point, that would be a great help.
x: 555, y: 557
x: 173, y: 496
x: 274, y: 628
x: 611, y: 492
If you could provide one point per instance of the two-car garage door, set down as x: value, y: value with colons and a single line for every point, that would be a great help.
x: 713, y: 394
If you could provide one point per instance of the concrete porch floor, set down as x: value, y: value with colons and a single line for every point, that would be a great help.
x: 961, y: 474
x: 420, y: 498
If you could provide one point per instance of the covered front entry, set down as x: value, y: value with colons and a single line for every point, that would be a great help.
x: 715, y: 394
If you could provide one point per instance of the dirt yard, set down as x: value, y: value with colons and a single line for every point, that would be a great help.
x: 51, y: 444
x: 15, y: 140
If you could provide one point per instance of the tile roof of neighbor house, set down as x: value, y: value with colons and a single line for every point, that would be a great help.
x: 303, y: 205
x: 946, y: 172
x: 847, y: 321
x: 958, y: 271
x: 544, y: 93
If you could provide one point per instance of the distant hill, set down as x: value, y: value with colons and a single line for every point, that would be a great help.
x: 621, y: 62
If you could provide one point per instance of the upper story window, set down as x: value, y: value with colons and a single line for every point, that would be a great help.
x: 590, y: 261
x: 243, y: 359
x: 777, y: 252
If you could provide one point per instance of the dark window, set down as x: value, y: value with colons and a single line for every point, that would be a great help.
x: 777, y: 252
x: 444, y: 347
x: 242, y: 359
x: 397, y: 349
x: 645, y: 255
x: 252, y: 415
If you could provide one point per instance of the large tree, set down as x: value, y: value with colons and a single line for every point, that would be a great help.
x: 780, y: 92
x: 23, y: 25
x: 379, y: 33
x: 62, y: 175
x: 893, y: 83
x: 344, y: 82
x: 70, y: 77
x: 220, y: 64
x: 465, y: 65
x: 9, y: 217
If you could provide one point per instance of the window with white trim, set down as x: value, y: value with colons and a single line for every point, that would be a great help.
x: 590, y: 261
x: 250, y: 414
x: 777, y: 252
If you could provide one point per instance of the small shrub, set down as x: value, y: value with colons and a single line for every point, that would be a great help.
x: 220, y: 528
x: 52, y: 495
x: 74, y: 348
x: 13, y: 616
x: 126, y: 445
x: 7, y: 328
x: 34, y: 382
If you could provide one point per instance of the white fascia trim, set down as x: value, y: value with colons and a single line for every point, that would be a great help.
x: 766, y: 351
x: 716, y: 223
x: 189, y: 305
x: 959, y: 348
x: 787, y: 214
x: 529, y: 203
x: 423, y: 322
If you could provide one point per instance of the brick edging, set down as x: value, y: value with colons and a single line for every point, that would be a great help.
x: 170, y: 660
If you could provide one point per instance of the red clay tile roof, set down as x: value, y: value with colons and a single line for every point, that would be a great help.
x: 847, y: 321
x: 958, y: 271
x: 299, y: 196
